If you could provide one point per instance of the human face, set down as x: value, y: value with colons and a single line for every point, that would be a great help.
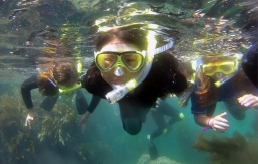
x: 219, y: 70
x: 109, y: 76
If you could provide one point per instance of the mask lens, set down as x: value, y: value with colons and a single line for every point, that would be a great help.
x: 132, y: 60
x: 227, y: 68
x: 209, y: 69
x: 105, y: 60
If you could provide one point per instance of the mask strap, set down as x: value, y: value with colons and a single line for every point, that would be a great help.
x: 52, y: 82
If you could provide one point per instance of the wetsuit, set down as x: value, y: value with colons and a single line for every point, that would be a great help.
x: 81, y: 104
x: 158, y: 116
x: 162, y: 79
x: 250, y: 64
x: 228, y: 95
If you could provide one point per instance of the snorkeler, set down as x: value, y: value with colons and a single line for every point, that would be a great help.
x: 218, y: 78
x: 62, y: 78
x: 127, y: 70
x: 158, y: 112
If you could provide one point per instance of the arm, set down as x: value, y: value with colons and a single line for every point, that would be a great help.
x: 202, y: 120
x: 93, y: 104
x: 203, y: 116
x: 218, y: 123
x: 26, y: 87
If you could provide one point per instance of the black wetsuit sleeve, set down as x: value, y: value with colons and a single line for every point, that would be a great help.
x: 26, y: 87
x: 82, y: 79
x: 94, y: 103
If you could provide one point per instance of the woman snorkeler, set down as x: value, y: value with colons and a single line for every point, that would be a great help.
x: 127, y: 70
x: 219, y: 78
x: 61, y: 78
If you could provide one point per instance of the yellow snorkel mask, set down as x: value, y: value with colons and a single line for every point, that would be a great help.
x: 227, y: 67
x: 221, y: 70
x: 132, y: 60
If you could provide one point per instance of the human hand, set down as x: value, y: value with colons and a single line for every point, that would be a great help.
x: 31, y: 118
x: 219, y: 123
x: 83, y: 121
x: 248, y: 100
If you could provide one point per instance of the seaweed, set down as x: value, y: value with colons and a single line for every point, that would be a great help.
x: 228, y: 150
x: 15, y: 139
x: 56, y: 123
x: 56, y: 133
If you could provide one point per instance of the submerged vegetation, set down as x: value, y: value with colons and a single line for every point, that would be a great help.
x: 228, y: 150
x: 55, y: 123
x: 15, y: 139
x: 56, y: 132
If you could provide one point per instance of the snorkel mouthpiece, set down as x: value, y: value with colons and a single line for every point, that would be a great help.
x: 119, y: 71
x: 116, y: 94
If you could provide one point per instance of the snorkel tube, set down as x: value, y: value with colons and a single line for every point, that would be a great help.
x: 120, y: 91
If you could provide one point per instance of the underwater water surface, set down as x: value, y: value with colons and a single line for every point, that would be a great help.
x: 29, y: 30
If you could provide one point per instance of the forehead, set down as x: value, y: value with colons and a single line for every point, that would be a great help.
x: 119, y: 46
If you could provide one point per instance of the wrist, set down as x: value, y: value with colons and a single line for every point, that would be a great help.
x: 210, y: 122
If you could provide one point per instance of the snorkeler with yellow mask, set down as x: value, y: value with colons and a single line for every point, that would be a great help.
x: 126, y: 71
x: 61, y: 79
x: 218, y: 78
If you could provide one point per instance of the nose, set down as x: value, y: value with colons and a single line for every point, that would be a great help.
x: 119, y: 71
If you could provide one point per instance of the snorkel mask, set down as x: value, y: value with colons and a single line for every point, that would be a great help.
x: 131, y: 60
x: 222, y: 71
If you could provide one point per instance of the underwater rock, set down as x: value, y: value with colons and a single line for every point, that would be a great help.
x: 145, y: 159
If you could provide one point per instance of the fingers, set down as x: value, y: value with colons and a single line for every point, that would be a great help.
x: 82, y: 121
x: 251, y: 103
x: 220, y: 126
x: 29, y: 124
x: 219, y: 123
x: 28, y: 121
x: 244, y: 99
x: 222, y: 114
x: 83, y: 128
x: 248, y: 101
x: 220, y: 119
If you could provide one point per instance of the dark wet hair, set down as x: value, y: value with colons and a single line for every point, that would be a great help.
x: 62, y: 74
x: 65, y: 74
x: 207, y: 92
